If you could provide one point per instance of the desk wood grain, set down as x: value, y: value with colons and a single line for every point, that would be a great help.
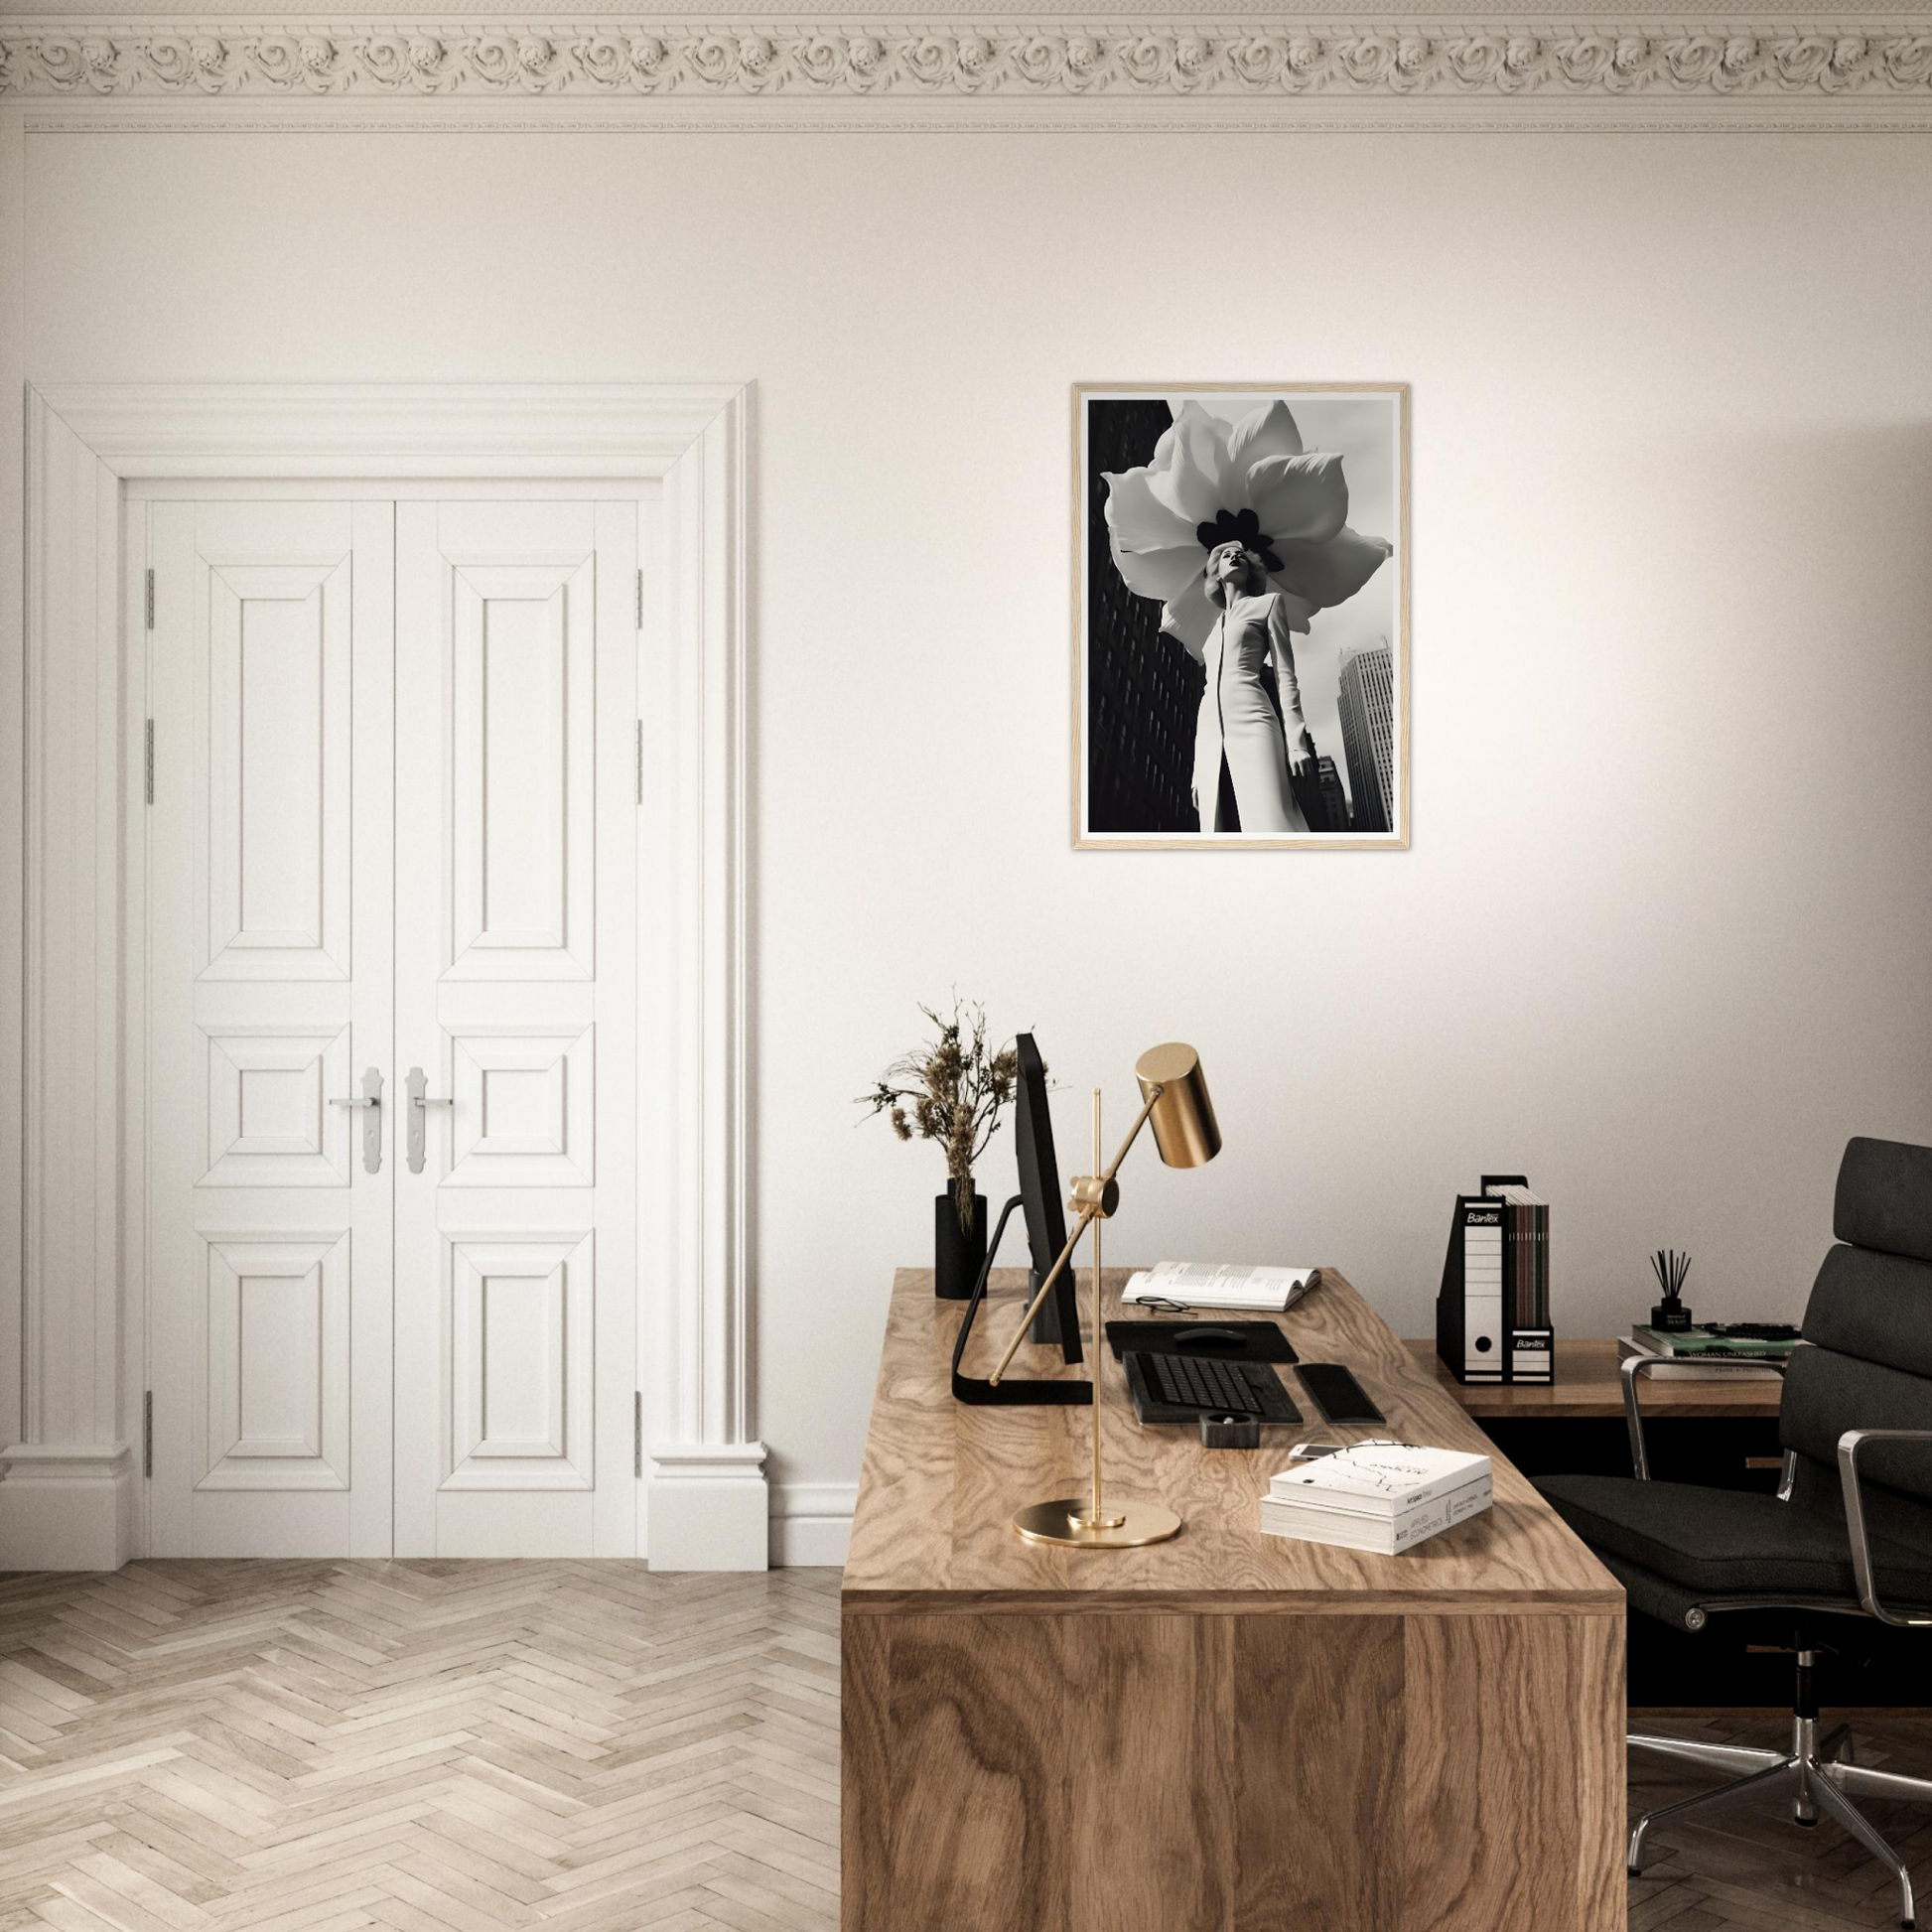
x: 1229, y: 1732
x: 941, y: 1481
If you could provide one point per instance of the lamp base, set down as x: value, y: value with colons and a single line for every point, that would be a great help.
x: 1064, y: 1521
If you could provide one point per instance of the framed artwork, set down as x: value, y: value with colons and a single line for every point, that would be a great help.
x: 1241, y: 614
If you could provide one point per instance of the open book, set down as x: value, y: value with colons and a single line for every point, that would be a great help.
x: 1211, y: 1285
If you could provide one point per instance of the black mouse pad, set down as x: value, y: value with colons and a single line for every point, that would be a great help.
x: 1217, y: 1341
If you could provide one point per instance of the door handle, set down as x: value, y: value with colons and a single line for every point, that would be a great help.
x: 417, y: 1081
x: 370, y: 1098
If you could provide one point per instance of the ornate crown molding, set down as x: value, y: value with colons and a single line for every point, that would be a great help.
x: 1175, y: 62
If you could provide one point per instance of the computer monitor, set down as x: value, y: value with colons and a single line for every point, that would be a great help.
x: 1039, y: 1198
x: 1040, y: 1193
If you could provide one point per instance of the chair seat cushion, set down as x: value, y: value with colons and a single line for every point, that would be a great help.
x: 1728, y: 1542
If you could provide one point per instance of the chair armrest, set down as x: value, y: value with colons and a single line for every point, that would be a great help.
x: 1635, y: 1365
x: 1848, y: 1445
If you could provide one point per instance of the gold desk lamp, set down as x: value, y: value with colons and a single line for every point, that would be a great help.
x: 1174, y: 1098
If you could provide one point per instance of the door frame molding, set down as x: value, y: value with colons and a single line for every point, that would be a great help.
x: 71, y: 1399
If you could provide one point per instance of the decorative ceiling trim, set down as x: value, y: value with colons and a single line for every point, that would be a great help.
x: 1674, y: 75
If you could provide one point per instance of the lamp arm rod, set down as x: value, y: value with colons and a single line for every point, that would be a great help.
x: 1033, y: 1307
x: 1087, y: 1214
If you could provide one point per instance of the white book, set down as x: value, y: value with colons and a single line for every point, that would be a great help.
x: 1215, y: 1285
x: 1387, y: 1536
x: 1379, y: 1478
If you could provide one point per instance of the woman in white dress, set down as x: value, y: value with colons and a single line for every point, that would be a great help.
x: 1251, y: 737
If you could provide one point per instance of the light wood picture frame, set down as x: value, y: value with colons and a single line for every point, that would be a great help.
x: 1311, y: 653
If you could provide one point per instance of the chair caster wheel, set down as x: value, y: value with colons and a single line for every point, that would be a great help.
x: 1806, y: 1823
x: 1633, y: 1871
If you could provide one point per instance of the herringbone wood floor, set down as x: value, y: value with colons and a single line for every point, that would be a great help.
x: 323, y: 1746
x: 569, y: 1746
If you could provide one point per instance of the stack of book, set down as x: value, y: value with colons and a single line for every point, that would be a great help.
x: 1385, y: 1498
x: 1691, y: 1354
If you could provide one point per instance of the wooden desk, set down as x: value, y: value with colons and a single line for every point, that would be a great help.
x: 1588, y: 1385
x: 1228, y: 1732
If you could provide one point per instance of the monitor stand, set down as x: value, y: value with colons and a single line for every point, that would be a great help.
x: 1011, y: 1391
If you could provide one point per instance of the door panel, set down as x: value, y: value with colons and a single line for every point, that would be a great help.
x: 522, y: 770
x: 516, y: 1242
x: 278, y: 790
x: 269, y: 1122
x: 525, y: 1107
x: 278, y: 1394
x: 270, y: 993
x: 522, y: 1331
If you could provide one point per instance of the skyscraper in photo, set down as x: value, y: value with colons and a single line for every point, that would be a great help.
x: 1367, y: 705
x: 1144, y: 690
x: 1335, y: 800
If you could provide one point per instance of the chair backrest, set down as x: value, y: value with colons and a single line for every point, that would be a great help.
x: 1870, y: 1326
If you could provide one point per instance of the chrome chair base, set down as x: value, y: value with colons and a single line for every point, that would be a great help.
x: 1818, y: 1775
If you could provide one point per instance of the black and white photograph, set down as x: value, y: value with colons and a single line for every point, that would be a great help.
x: 1241, y: 644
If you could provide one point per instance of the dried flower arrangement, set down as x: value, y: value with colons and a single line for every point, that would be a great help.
x: 950, y: 1091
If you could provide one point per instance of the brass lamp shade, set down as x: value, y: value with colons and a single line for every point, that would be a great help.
x: 1182, y: 1118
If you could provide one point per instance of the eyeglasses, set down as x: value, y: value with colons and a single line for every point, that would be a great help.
x: 1163, y: 1305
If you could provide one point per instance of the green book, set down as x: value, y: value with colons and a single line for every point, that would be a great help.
x: 1700, y: 1342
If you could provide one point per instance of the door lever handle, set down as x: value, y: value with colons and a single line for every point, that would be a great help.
x: 417, y: 1081
x: 371, y: 1098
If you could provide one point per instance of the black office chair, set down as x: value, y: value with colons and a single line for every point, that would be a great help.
x: 1849, y: 1535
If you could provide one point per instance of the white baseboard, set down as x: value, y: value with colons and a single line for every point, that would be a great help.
x: 811, y: 1523
x: 67, y: 1506
x: 73, y: 1508
x: 709, y: 1507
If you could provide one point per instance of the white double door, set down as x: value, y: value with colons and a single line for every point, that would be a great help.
x: 391, y: 860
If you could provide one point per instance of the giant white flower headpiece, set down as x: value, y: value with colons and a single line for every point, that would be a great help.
x: 1253, y: 485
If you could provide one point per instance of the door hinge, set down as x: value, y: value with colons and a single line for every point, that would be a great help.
x: 641, y: 761
x: 150, y: 600
x: 148, y: 762
x: 638, y: 1433
x: 147, y: 1433
x: 641, y: 598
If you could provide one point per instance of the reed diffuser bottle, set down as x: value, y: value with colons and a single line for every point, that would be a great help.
x: 1670, y: 1314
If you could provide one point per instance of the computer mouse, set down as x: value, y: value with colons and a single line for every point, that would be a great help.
x: 1209, y: 1337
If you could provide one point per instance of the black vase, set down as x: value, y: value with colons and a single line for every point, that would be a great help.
x: 957, y: 1258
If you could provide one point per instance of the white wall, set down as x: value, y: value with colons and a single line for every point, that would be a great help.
x: 1662, y: 939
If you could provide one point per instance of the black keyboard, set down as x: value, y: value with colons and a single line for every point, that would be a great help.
x: 1206, y: 1387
